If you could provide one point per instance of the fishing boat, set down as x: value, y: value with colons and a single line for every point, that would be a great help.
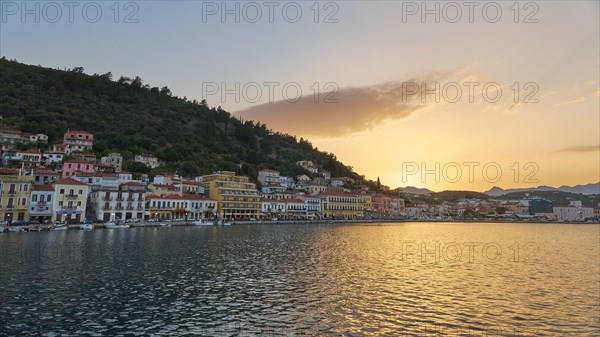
x: 60, y: 228
x: 203, y: 222
x: 86, y: 227
x: 113, y: 225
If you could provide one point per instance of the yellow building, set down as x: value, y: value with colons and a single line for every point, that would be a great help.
x: 368, y: 201
x: 15, y: 191
x: 342, y: 205
x: 236, y: 196
x: 70, y: 200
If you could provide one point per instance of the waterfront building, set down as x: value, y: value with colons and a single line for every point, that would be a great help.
x: 572, y: 212
x: 236, y: 196
x: 341, y: 205
x: 41, y: 203
x: 70, y: 200
x: 127, y: 202
x: 182, y: 207
x: 15, y: 193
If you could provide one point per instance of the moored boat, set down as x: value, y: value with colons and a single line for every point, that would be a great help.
x: 203, y: 222
x: 60, y: 228
x: 113, y: 225
x: 86, y: 227
x: 165, y: 225
x: 15, y: 229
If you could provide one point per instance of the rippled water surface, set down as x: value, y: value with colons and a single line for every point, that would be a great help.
x: 406, y: 279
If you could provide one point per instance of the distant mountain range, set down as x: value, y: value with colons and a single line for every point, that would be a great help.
x: 414, y: 190
x: 588, y: 189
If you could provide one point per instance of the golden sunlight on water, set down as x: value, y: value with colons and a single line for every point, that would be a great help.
x: 406, y: 279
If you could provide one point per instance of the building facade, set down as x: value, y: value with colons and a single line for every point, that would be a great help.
x: 341, y: 205
x: 15, y: 193
x: 236, y: 196
x: 77, y: 141
x: 41, y: 203
x: 70, y: 200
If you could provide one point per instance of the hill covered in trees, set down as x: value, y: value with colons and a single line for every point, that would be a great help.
x: 130, y: 117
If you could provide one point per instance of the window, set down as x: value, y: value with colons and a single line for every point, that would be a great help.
x: 60, y: 203
x: 49, y: 198
x: 80, y: 191
x: 79, y: 203
x: 62, y: 191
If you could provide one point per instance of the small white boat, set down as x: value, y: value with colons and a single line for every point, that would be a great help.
x: 15, y: 229
x: 86, y: 227
x: 165, y: 225
x: 112, y: 225
x: 2, y: 229
x: 223, y: 223
x: 203, y: 223
x: 60, y: 228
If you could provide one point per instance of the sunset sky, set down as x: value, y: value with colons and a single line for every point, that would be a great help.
x: 371, y: 53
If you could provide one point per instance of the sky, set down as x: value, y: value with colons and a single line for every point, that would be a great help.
x: 461, y: 95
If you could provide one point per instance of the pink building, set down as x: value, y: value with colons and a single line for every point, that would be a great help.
x: 382, y: 203
x: 70, y: 167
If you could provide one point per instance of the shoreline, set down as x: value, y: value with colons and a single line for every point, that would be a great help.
x: 144, y: 224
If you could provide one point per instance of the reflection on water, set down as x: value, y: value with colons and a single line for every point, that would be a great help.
x: 411, y: 279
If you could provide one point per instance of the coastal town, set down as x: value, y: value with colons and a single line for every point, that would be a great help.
x: 65, y: 183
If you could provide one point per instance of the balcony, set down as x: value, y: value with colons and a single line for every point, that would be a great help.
x: 130, y: 208
x: 107, y: 207
x: 107, y: 199
x: 70, y: 196
x: 119, y: 207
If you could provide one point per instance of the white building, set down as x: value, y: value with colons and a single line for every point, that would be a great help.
x: 41, y: 203
x: 268, y: 177
x: 53, y: 157
x: 272, y: 208
x: 114, y: 159
x: 287, y: 182
x: 185, y: 207
x: 98, y: 181
x: 128, y: 202
x: 148, y: 160
x: 312, y: 204
x: 572, y: 212
x: 308, y: 165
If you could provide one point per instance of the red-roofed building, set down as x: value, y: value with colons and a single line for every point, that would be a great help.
x: 78, y: 141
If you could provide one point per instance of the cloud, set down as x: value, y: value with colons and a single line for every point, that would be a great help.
x: 353, y: 110
x: 580, y: 149
x: 576, y: 100
x: 572, y: 101
x: 514, y: 107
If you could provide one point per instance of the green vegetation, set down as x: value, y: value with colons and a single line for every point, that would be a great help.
x: 130, y: 117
